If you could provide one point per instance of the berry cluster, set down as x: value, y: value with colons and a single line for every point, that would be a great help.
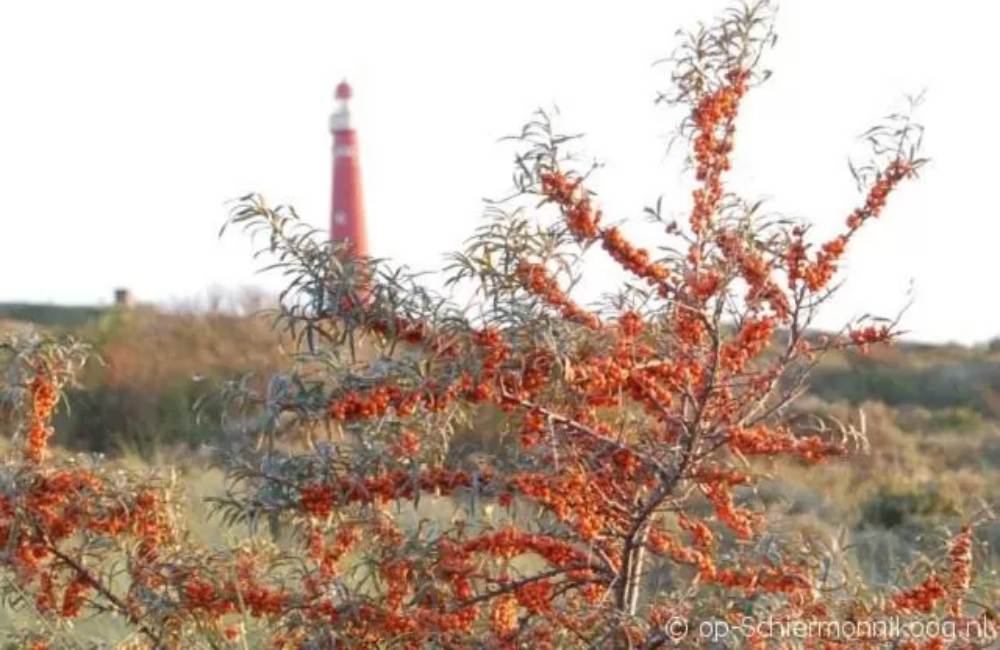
x: 536, y: 279
x: 713, y: 119
x: 42, y: 393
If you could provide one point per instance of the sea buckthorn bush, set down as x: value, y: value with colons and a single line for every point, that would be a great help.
x: 631, y: 432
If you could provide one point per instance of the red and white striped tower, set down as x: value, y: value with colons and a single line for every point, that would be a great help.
x: 347, y: 212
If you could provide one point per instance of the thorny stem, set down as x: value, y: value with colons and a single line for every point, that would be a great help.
x: 102, y: 589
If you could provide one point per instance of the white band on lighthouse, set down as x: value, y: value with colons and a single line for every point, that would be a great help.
x: 341, y: 120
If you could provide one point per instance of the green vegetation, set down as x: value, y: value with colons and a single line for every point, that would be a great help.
x: 957, y: 382
x: 154, y: 368
x: 48, y: 315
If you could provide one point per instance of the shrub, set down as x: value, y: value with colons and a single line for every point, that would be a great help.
x: 156, y: 365
x: 889, y: 507
x: 620, y: 497
x: 965, y: 386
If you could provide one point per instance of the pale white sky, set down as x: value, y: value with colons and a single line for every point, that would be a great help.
x: 126, y: 126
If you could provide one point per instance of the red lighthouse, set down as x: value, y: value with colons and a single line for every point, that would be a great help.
x: 347, y: 213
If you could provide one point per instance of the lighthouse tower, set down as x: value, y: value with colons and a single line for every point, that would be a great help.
x: 347, y: 213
